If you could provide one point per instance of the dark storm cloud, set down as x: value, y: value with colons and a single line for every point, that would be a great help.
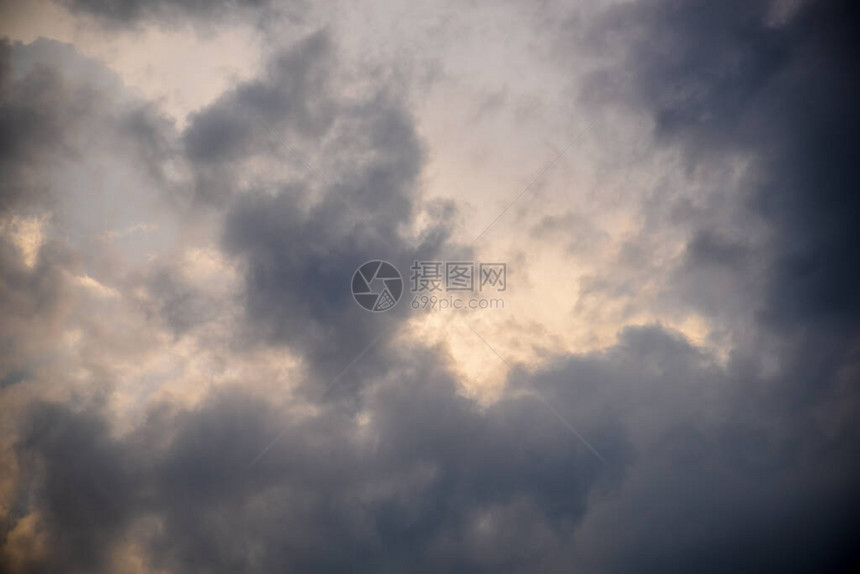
x: 726, y: 80
x: 291, y: 104
x: 126, y: 12
x: 61, y: 114
x: 57, y: 109
x: 435, y: 482
x: 83, y: 483
x: 39, y: 112
x: 37, y: 115
x: 714, y: 270
x: 731, y: 79
x: 291, y: 96
x: 747, y: 466
x: 729, y: 474
x: 488, y: 491
x: 299, y: 240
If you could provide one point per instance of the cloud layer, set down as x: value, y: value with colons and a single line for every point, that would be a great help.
x: 191, y: 388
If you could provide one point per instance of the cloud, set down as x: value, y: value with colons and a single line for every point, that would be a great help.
x: 124, y: 452
x: 723, y: 81
x: 766, y: 258
x: 486, y: 491
x: 728, y: 467
x: 415, y: 473
x: 66, y: 119
x: 83, y: 482
x: 300, y: 238
x: 39, y: 114
x: 131, y: 12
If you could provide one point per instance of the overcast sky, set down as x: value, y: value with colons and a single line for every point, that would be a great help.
x: 668, y: 381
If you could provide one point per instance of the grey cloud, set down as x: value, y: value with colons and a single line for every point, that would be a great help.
x: 729, y: 474
x: 60, y: 112
x: 63, y: 115
x: 724, y: 80
x: 291, y: 96
x: 485, y: 491
x: 152, y: 139
x: 784, y: 94
x: 714, y: 270
x: 298, y: 237
x: 180, y: 305
x: 33, y: 302
x: 131, y: 12
x: 744, y: 466
x: 84, y: 485
x: 705, y: 469
x: 299, y: 240
x: 38, y: 114
x: 290, y: 105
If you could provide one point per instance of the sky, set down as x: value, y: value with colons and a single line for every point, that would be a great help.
x: 663, y: 378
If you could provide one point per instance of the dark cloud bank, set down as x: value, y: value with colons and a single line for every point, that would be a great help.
x: 133, y: 12
x: 746, y: 467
